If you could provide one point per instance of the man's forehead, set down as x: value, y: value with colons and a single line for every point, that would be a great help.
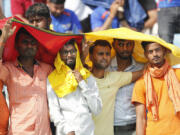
x: 153, y: 46
x: 123, y: 40
x: 68, y: 46
x: 25, y: 36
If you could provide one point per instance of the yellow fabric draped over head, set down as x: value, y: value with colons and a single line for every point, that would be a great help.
x: 62, y: 79
x: 137, y: 37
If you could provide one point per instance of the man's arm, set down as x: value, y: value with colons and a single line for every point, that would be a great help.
x: 7, y: 31
x: 136, y: 75
x: 113, y: 11
x: 90, y: 92
x: 140, y: 119
x: 152, y: 18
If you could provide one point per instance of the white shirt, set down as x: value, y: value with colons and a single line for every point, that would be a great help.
x: 74, y: 111
x: 80, y: 9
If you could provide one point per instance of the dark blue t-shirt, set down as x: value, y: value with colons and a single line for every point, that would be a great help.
x: 168, y: 3
x: 67, y: 22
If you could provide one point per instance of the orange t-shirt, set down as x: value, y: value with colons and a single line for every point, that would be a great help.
x: 4, y: 113
x: 168, y: 123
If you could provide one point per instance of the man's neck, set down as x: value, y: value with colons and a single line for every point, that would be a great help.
x: 26, y: 61
x: 123, y: 63
x: 98, y: 73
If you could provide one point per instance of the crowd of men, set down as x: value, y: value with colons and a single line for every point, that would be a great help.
x: 116, y: 96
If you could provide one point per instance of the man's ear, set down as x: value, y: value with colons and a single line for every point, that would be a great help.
x: 91, y: 56
x: 145, y: 54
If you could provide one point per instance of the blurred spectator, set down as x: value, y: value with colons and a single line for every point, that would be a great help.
x: 131, y: 15
x: 6, y: 7
x: 168, y: 19
x: 63, y: 20
x: 151, y: 11
x: 1, y: 14
x: 19, y: 7
x: 82, y: 11
x: 38, y: 15
x: 97, y: 3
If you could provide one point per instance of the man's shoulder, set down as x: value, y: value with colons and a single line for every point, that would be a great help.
x: 68, y: 12
x: 99, y: 10
x: 45, y: 66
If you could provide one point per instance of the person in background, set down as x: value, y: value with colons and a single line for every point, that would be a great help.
x: 150, y: 24
x: 156, y: 94
x: 63, y: 20
x: 168, y: 19
x: 38, y: 15
x: 122, y: 13
x: 108, y: 84
x: 124, y: 113
x: 19, y: 7
x: 82, y: 11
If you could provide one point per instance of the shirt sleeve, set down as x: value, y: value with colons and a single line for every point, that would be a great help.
x: 4, y: 72
x: 90, y: 92
x: 121, y: 78
x: 76, y: 21
x: 139, y: 92
x: 55, y: 112
x: 96, y: 17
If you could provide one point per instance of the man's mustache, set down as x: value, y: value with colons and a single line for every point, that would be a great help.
x: 156, y: 57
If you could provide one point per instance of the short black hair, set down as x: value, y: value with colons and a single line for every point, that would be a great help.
x: 145, y: 43
x: 38, y: 9
x: 24, y: 31
x: 57, y: 1
x: 71, y: 41
x: 114, y: 39
x: 103, y: 43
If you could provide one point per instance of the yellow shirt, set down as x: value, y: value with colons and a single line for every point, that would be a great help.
x: 168, y: 123
x: 108, y: 87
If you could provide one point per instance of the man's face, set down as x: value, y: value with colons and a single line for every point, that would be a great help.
x: 40, y: 22
x: 68, y: 55
x: 55, y: 9
x: 27, y: 46
x: 155, y: 53
x: 101, y: 57
x: 123, y: 48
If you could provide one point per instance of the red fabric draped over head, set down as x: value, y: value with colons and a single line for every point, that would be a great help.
x: 50, y: 42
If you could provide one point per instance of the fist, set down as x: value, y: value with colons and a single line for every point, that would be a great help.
x: 77, y: 75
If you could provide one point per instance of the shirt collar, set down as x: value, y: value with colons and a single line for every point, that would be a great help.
x: 19, y: 65
x: 114, y: 64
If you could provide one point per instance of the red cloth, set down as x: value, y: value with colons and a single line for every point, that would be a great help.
x: 20, y: 6
x: 50, y: 42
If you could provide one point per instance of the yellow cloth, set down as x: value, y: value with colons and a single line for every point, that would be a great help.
x: 138, y: 37
x: 108, y: 87
x: 62, y: 79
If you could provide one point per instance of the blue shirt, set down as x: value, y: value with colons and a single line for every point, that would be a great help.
x: 67, y: 22
x: 168, y: 3
x: 99, y: 16
x: 97, y: 3
x: 124, y: 113
x: 134, y: 15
